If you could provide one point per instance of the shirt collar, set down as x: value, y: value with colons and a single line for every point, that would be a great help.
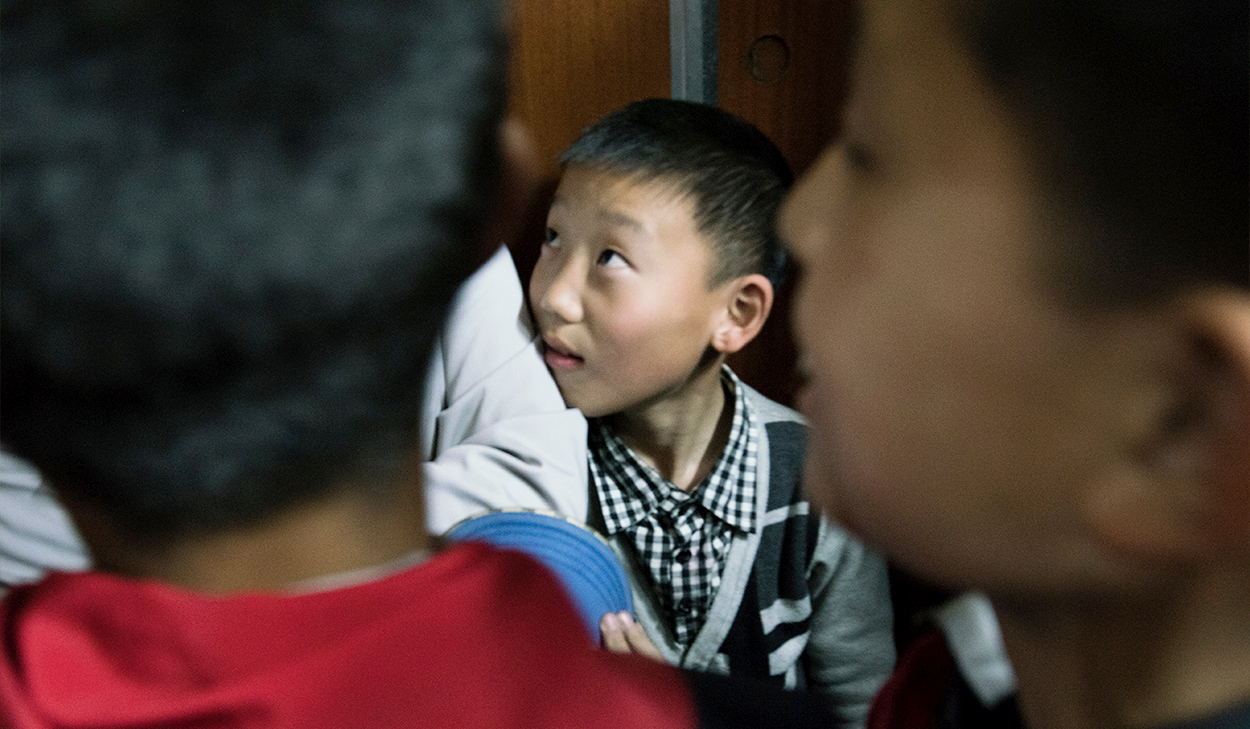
x: 629, y: 489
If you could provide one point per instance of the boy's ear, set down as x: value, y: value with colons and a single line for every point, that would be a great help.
x: 515, y: 188
x: 748, y: 300
x: 1186, y: 495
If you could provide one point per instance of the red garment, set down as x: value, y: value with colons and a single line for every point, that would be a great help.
x: 475, y: 637
x: 911, y: 697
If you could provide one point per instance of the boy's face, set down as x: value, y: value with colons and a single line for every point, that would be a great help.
x: 620, y: 291
x: 956, y: 406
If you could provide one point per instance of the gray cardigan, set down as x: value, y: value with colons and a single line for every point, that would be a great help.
x: 801, y: 603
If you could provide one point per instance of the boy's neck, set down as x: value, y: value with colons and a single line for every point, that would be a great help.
x: 341, y: 533
x: 1160, y: 659
x: 682, y: 434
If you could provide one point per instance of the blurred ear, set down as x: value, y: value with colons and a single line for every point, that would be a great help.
x: 518, y: 181
x: 748, y: 300
x: 1186, y: 495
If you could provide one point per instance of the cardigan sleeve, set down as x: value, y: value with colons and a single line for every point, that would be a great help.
x: 850, y: 651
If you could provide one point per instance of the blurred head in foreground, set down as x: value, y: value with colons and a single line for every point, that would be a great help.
x: 1026, y: 316
x: 231, y: 231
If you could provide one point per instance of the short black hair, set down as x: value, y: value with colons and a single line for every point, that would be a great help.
x: 735, y: 175
x: 231, y: 233
x: 1138, y: 110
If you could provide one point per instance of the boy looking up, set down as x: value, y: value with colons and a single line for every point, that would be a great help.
x: 660, y: 260
x: 1026, y: 314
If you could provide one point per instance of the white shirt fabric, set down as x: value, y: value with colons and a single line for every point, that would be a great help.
x: 495, y: 433
x: 976, y: 642
x: 35, y: 533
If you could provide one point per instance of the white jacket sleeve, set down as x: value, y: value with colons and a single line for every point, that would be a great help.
x: 496, y: 432
x: 35, y: 532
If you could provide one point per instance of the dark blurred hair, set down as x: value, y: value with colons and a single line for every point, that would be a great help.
x: 1139, y: 113
x: 231, y: 232
x: 735, y: 175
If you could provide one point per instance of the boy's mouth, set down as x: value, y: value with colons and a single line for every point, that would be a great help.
x: 559, y: 357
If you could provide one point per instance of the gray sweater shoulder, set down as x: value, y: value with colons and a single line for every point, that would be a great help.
x: 770, y: 411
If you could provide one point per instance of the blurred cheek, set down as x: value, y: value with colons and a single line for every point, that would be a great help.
x: 841, y: 446
x: 824, y: 480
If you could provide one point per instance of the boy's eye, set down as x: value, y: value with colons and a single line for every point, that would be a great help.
x: 552, y: 238
x: 611, y: 259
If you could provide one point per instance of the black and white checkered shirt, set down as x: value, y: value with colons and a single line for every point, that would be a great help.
x: 682, y: 537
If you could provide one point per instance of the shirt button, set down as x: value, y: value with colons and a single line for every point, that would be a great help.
x: 682, y: 555
x: 683, y: 605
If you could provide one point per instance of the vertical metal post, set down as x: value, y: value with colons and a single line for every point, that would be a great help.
x: 693, y: 49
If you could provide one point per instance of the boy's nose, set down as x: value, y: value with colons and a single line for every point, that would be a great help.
x: 562, y: 297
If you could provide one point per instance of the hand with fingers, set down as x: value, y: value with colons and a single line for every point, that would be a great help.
x: 622, y: 635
